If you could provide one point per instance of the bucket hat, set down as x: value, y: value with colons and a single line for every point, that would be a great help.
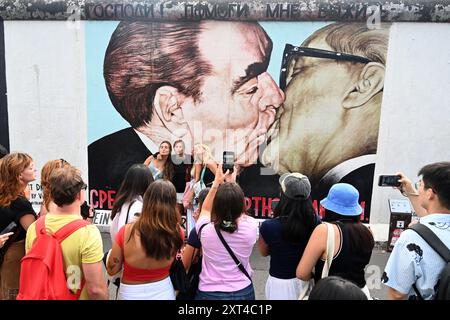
x: 343, y: 199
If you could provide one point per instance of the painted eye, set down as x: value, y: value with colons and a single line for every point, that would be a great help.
x: 252, y: 90
x: 297, y: 71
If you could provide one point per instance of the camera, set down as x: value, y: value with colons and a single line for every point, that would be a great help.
x: 228, y: 161
x: 389, y: 181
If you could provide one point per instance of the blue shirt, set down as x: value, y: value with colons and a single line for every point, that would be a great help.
x: 284, y: 256
x: 414, y: 261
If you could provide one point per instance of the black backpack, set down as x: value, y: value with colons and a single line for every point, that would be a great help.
x: 193, y: 274
x: 443, y: 288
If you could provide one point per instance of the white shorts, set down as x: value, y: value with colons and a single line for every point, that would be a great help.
x: 180, y: 197
x: 160, y: 290
x: 283, y: 289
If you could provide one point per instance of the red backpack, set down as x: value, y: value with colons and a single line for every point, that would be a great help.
x: 42, y: 273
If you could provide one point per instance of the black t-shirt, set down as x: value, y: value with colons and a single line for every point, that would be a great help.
x: 194, y: 239
x: 14, y: 212
x: 181, y: 171
x: 208, y: 178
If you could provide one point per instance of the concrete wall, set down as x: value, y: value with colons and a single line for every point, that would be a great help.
x: 414, y: 126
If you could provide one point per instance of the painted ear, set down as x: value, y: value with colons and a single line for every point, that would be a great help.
x: 167, y: 105
x: 370, y: 82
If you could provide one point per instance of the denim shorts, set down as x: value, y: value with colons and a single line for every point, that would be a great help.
x: 248, y: 293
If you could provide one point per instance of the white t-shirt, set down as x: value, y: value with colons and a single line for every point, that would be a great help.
x: 120, y: 218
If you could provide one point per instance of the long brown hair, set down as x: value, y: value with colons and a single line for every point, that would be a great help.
x: 168, y: 165
x: 159, y: 223
x: 48, y: 168
x: 11, y: 166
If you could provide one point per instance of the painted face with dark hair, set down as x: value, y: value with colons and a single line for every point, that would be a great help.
x: 239, y: 99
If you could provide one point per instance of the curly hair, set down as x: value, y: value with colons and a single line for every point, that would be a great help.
x: 11, y: 166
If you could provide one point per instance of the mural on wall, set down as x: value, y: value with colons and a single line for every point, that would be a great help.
x: 220, y: 84
x: 4, y: 130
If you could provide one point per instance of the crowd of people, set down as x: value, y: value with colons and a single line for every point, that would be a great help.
x: 310, y: 256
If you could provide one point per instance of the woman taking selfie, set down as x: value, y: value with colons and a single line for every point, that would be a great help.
x: 160, y: 164
x: 227, y: 241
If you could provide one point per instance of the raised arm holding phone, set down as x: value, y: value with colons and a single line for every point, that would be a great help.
x: 226, y: 272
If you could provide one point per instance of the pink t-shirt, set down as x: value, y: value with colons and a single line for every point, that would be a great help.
x: 219, y: 271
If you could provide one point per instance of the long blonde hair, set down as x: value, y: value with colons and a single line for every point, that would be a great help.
x: 11, y: 166
x: 48, y: 168
x: 207, y: 157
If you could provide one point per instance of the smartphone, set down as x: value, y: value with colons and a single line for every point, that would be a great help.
x: 389, y: 181
x: 9, y: 228
x: 228, y: 161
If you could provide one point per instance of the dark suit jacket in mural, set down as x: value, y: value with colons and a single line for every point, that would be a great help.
x: 110, y: 157
x: 361, y: 178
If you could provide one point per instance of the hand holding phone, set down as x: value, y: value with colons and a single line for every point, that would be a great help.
x: 9, y: 228
x: 228, y: 161
x: 389, y: 181
x: 4, y: 238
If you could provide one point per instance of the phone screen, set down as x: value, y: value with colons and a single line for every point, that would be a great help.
x: 228, y: 161
x: 389, y: 181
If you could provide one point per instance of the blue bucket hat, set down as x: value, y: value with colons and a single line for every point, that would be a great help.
x: 343, y: 199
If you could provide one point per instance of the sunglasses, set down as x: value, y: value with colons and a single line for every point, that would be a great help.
x: 291, y: 51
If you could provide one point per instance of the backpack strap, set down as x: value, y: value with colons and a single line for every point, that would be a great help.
x: 433, y: 240
x: 203, y: 173
x: 236, y: 260
x: 128, y: 211
x: 70, y: 228
x: 40, y: 225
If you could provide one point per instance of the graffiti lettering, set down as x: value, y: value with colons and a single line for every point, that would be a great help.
x: 354, y: 11
x: 342, y: 10
x: 102, y: 199
x: 121, y: 12
x: 280, y: 12
x: 261, y: 206
x: 214, y: 11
